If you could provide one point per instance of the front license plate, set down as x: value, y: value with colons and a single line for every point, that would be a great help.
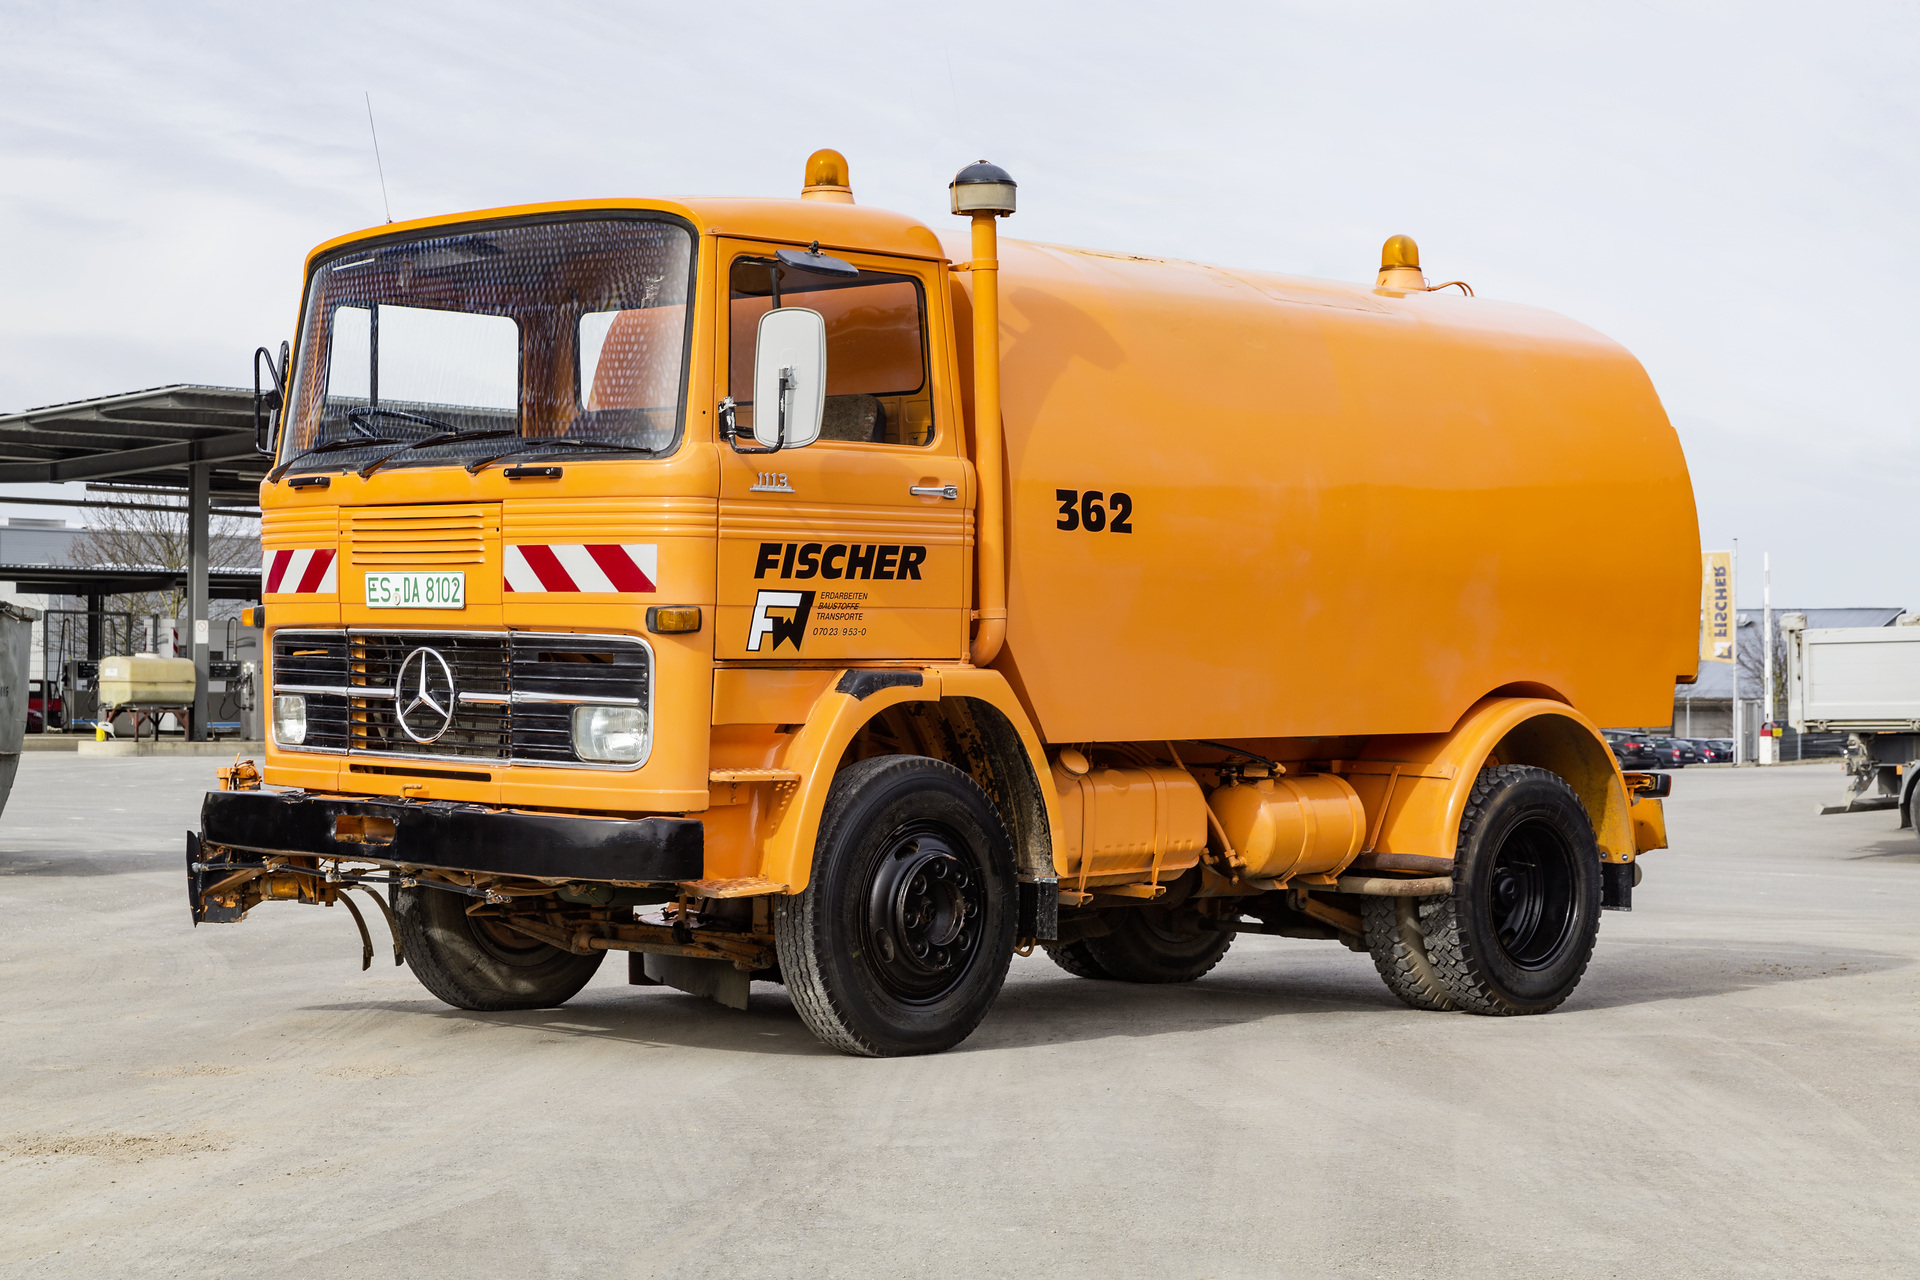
x: 417, y: 590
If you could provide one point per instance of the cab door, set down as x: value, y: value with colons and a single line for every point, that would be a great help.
x: 856, y: 547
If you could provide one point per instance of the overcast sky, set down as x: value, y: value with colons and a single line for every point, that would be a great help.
x: 1727, y: 189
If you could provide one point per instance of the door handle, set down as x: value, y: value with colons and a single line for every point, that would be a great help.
x: 951, y: 492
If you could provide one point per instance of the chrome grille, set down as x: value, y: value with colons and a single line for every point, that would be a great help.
x: 553, y: 674
x: 314, y: 664
x: 481, y: 729
x: 515, y: 692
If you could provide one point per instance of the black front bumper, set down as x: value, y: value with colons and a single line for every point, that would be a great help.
x: 456, y: 837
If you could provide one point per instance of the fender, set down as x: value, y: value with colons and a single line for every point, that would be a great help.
x: 1416, y: 787
x: 837, y: 715
x: 1909, y: 779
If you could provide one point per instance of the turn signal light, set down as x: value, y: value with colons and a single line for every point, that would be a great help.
x: 673, y: 619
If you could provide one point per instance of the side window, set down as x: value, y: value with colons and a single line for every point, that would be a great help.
x: 877, y: 391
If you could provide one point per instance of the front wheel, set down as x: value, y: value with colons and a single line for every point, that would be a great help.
x: 1517, y: 931
x: 902, y: 937
x: 477, y: 963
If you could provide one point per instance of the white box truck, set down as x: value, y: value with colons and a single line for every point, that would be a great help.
x: 1863, y: 682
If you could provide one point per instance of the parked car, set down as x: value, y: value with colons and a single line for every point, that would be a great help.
x: 44, y: 711
x: 1713, y: 750
x: 1673, y: 753
x: 1632, y: 750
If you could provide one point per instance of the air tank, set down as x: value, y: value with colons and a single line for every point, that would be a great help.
x: 1290, y: 826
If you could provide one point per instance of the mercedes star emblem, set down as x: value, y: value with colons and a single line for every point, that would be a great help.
x: 423, y: 695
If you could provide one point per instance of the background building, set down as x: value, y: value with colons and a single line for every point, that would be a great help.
x: 1704, y: 709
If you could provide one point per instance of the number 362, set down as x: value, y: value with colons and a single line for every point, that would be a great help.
x: 1084, y: 511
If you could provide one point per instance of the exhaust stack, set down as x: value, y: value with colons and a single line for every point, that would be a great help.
x: 985, y: 192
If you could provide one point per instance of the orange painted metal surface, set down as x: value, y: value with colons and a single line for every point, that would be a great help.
x: 1124, y: 824
x: 1327, y: 519
x: 1351, y: 510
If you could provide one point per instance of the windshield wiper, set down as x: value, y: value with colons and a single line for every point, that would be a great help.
x: 444, y: 437
x: 530, y: 443
x: 356, y: 418
x: 331, y: 446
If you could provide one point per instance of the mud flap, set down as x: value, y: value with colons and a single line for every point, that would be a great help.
x: 199, y: 878
x: 715, y: 979
x: 1039, y: 910
x: 1616, y: 885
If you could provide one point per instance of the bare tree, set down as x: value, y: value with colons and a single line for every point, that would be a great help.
x: 154, y: 536
x: 1753, y: 664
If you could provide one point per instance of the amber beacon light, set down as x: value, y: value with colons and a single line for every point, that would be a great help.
x: 827, y: 178
x: 1400, y: 265
x: 1400, y: 269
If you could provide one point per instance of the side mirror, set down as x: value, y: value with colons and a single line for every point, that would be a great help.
x: 789, y: 378
x: 267, y: 403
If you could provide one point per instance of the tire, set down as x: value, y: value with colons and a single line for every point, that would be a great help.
x: 475, y: 964
x: 1154, y: 944
x: 902, y: 937
x: 1398, y: 942
x: 1517, y: 931
x: 1076, y: 960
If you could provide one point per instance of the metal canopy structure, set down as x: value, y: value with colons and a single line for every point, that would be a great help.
x: 193, y: 438
x: 73, y: 580
x: 153, y: 437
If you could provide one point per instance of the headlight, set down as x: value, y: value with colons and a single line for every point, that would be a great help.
x: 289, y: 719
x: 611, y: 735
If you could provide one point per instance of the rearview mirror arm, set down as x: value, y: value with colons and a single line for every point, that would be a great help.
x: 730, y: 431
x: 266, y: 404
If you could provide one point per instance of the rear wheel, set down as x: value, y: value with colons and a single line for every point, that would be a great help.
x: 1399, y: 945
x: 1156, y: 944
x: 902, y: 937
x: 1517, y: 931
x: 475, y: 963
x: 1076, y: 960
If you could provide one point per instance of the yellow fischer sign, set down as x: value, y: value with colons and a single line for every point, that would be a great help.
x: 1716, y: 606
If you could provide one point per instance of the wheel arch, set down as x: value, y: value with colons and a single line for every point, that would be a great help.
x: 969, y: 718
x: 1909, y: 780
x: 1423, y: 812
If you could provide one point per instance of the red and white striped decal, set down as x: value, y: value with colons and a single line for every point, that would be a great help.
x: 582, y: 566
x: 307, y: 571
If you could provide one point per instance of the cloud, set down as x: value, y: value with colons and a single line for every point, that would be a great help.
x: 1728, y: 193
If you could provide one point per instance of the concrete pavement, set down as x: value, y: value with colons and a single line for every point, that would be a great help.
x: 1734, y: 1090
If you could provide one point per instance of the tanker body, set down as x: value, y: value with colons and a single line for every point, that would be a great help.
x: 1341, y: 510
x: 671, y: 577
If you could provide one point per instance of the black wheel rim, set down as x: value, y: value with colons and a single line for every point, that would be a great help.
x: 507, y: 945
x: 925, y: 906
x: 1532, y: 894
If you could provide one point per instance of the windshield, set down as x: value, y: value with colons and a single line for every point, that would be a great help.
x: 504, y: 342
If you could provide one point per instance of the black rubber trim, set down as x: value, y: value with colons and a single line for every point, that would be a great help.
x: 862, y: 685
x: 1616, y: 886
x: 1039, y: 910
x: 456, y: 775
x: 461, y: 837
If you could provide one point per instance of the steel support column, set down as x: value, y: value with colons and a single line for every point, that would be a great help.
x: 199, y: 498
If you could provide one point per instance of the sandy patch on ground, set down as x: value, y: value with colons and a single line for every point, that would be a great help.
x: 124, y: 1148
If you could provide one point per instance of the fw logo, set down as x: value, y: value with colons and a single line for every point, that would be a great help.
x: 782, y: 615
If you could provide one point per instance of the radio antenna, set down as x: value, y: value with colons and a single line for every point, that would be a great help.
x: 381, y: 168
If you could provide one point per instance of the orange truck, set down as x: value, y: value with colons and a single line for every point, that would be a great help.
x: 776, y: 590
